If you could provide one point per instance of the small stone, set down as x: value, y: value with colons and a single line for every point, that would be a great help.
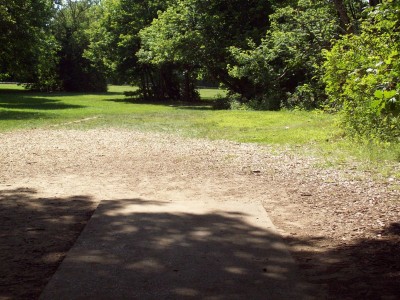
x: 306, y: 194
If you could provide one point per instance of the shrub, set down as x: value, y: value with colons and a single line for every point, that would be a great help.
x: 362, y: 75
x: 285, y: 69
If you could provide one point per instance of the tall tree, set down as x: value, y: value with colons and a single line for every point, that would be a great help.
x: 114, y: 41
x: 23, y: 31
x: 351, y: 13
x: 77, y: 73
x: 374, y: 2
x: 197, y: 34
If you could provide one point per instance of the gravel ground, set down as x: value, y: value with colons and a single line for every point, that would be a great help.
x: 342, y: 226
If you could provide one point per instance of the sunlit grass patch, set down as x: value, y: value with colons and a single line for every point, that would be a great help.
x: 211, y: 93
x: 283, y: 127
x: 11, y: 86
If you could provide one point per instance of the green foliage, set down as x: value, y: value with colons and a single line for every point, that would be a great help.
x: 285, y: 68
x: 221, y: 103
x: 23, y: 27
x: 114, y: 42
x: 195, y: 36
x: 170, y: 40
x: 77, y: 73
x: 45, y: 77
x: 362, y: 73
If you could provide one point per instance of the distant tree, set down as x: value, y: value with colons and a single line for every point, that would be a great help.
x: 374, y: 2
x: 344, y: 16
x: 114, y: 42
x: 77, y: 73
x: 25, y: 40
x: 195, y: 36
x: 284, y: 68
x: 173, y: 41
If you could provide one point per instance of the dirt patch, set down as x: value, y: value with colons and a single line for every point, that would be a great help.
x: 342, y: 226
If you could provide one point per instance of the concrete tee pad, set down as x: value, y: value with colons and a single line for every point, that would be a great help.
x: 137, y: 249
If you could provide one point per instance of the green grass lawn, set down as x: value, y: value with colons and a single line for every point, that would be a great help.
x: 21, y: 109
x: 312, y: 133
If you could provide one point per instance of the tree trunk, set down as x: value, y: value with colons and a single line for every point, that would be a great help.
x: 186, y: 88
x: 344, y: 17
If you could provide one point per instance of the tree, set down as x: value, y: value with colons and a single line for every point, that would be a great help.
x: 374, y: 2
x: 195, y: 36
x: 350, y: 13
x: 284, y: 68
x: 344, y: 16
x: 114, y: 41
x: 24, y: 25
x: 77, y: 73
x: 166, y: 42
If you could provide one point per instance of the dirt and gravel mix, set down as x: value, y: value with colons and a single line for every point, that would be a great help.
x: 342, y: 226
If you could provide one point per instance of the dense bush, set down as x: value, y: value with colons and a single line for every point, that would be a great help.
x: 362, y: 74
x: 285, y: 68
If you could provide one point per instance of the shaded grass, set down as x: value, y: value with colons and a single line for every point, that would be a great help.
x: 33, y: 103
x: 19, y: 115
x: 309, y: 133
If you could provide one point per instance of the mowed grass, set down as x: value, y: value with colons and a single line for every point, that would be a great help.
x: 21, y: 109
x: 310, y: 133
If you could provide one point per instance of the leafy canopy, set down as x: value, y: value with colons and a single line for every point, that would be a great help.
x: 23, y: 27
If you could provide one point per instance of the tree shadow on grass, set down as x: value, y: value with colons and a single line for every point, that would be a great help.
x: 51, y: 94
x: 197, y: 105
x: 21, y: 115
x: 29, y: 102
x: 74, y: 94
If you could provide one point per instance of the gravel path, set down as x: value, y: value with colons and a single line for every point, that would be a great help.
x: 343, y: 226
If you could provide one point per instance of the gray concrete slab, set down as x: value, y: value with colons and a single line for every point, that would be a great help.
x: 136, y: 249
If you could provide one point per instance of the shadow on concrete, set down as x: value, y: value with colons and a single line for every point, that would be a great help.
x: 36, y: 232
x: 161, y: 253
